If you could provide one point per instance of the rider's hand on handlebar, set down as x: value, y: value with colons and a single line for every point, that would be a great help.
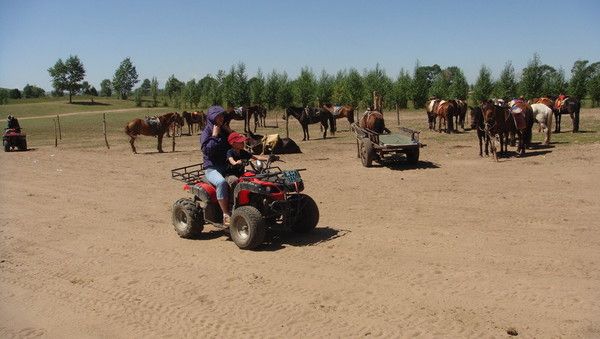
x: 273, y: 158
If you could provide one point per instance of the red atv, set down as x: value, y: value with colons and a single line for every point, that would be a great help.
x: 264, y: 197
x: 13, y: 139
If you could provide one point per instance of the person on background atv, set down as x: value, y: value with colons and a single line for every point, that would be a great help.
x: 237, y: 154
x: 214, y: 146
x: 13, y: 123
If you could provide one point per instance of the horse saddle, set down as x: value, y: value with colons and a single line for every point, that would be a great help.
x: 153, y: 122
x: 518, y: 116
x: 336, y: 110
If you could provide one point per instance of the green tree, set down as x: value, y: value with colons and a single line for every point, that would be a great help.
x: 355, y: 87
x: 272, y: 87
x: 554, y: 83
x: 208, y: 89
x: 67, y: 76
x: 401, y: 91
x: 459, y: 87
x: 305, y: 87
x: 228, y: 88
x: 188, y: 93
x: 285, y: 95
x: 125, y: 78
x: 241, y: 91
x: 422, y: 80
x: 506, y: 87
x: 85, y: 88
x: 324, y: 89
x: 137, y: 97
x: 154, y: 91
x: 30, y: 91
x: 15, y: 94
x: 3, y: 96
x: 532, y: 79
x: 93, y: 91
x: 579, y: 77
x: 145, y: 87
x: 256, y: 87
x: 593, y: 84
x: 173, y: 87
x: 482, y: 90
x: 105, y: 88
x: 440, y: 86
x: 376, y: 80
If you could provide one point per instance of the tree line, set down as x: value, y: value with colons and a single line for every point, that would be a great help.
x: 276, y: 89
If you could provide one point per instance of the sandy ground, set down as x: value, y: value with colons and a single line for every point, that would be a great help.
x: 458, y: 247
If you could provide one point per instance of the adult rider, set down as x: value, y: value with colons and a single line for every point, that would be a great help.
x: 214, y: 146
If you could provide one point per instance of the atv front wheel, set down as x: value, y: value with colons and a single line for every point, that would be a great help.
x: 23, y: 144
x: 307, y: 216
x: 187, y: 218
x: 247, y: 228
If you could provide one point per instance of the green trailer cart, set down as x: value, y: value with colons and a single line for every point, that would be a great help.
x: 372, y: 146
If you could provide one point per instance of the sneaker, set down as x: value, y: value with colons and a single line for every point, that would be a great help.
x: 226, y: 220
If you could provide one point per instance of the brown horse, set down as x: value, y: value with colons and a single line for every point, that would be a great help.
x: 153, y: 127
x: 461, y: 113
x: 446, y: 110
x: 374, y: 121
x: 259, y: 113
x: 516, y: 119
x: 566, y: 105
x: 194, y: 118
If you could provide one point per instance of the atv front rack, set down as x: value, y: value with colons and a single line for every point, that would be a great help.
x: 190, y: 174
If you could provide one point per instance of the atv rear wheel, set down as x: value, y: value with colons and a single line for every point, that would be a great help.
x: 6, y: 146
x: 247, y: 228
x: 23, y: 144
x: 308, y: 215
x: 187, y: 218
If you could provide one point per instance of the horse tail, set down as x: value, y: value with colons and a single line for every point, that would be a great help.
x: 332, y: 123
x: 129, y: 129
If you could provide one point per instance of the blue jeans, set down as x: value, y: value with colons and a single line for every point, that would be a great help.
x: 216, y: 178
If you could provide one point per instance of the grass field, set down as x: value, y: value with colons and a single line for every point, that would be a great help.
x: 81, y: 124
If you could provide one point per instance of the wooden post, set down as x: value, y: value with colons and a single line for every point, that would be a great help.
x: 104, y: 129
x: 287, y: 123
x: 59, y: 130
x: 173, y: 140
x: 55, y: 134
x: 398, y: 114
x: 276, y: 120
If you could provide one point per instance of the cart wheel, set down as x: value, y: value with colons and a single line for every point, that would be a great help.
x: 412, y: 156
x: 367, y: 154
x: 187, y: 218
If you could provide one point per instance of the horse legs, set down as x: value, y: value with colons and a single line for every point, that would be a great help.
x: 557, y: 116
x: 480, y: 146
x: 160, y: 137
x: 131, y: 141
x: 305, y: 131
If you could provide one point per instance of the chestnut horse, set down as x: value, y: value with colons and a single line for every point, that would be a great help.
x: 345, y: 111
x: 311, y: 115
x: 374, y: 121
x: 143, y: 127
x: 194, y: 118
x: 446, y: 110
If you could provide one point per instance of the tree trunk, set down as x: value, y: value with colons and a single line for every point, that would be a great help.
x: 70, y: 97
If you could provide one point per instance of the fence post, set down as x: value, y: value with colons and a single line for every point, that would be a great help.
x: 173, y: 136
x: 104, y: 129
x: 59, y: 130
x: 55, y: 134
x: 287, y: 127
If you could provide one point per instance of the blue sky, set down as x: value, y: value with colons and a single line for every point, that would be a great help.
x: 193, y: 38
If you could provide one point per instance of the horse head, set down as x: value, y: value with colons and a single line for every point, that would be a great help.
x: 488, y: 112
x: 476, y: 117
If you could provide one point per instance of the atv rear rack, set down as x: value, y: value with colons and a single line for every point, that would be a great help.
x: 190, y: 174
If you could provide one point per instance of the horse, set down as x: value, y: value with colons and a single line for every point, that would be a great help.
x: 194, y: 118
x: 431, y: 108
x: 345, y: 111
x: 145, y: 127
x: 543, y: 116
x: 445, y: 111
x: 477, y: 122
x: 516, y: 119
x: 311, y: 115
x: 570, y: 106
x: 239, y: 113
x: 461, y: 113
x: 373, y: 120
x: 260, y: 115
